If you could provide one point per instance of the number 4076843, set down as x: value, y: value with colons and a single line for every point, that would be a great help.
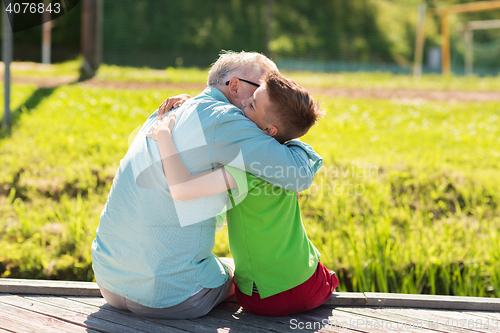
x: 33, y: 8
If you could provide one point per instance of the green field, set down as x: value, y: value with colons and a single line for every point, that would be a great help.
x: 70, y: 69
x: 407, y: 199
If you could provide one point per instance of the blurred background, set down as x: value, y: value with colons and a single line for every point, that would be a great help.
x: 326, y: 35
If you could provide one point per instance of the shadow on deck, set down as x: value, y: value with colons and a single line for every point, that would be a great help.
x: 63, y: 306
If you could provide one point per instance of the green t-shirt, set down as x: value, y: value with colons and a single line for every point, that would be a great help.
x: 267, y: 239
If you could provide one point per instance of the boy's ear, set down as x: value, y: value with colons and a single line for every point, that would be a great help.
x: 271, y: 130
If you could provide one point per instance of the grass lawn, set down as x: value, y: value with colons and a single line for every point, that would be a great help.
x: 308, y: 79
x: 407, y: 199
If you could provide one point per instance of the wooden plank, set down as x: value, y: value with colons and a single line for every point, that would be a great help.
x: 283, y: 323
x: 19, y: 320
x: 472, y: 7
x: 102, y: 313
x: 362, y: 319
x: 469, y: 51
x: 239, y: 312
x: 180, y: 324
x: 96, y: 301
x: 49, y: 287
x: 274, y: 324
x: 456, y: 321
x: 419, y: 40
x: 208, y: 323
x: 445, y: 44
x: 480, y: 25
x: 346, y: 299
x: 228, y: 323
x: 424, y: 318
x: 65, y: 315
x: 287, y: 323
x: 330, y: 320
x: 19, y: 325
x: 433, y: 301
x: 183, y: 325
x: 91, y: 36
x: 485, y: 314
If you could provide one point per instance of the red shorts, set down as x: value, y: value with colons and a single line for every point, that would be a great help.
x: 305, y: 296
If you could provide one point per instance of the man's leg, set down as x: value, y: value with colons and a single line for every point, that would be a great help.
x: 114, y: 300
x: 195, y: 306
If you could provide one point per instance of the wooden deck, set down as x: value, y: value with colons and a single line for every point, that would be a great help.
x: 59, y: 306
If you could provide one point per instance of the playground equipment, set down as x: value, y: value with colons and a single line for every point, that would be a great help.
x: 444, y: 13
x: 469, y: 28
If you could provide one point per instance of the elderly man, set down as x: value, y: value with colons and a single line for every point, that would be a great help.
x: 152, y: 254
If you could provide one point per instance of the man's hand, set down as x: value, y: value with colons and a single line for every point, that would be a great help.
x: 162, y: 127
x: 171, y: 103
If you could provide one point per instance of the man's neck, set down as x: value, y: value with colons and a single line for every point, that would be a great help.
x: 225, y: 91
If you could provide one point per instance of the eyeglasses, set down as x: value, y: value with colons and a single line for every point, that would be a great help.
x: 249, y: 82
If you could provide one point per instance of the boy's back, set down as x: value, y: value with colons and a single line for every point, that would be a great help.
x: 267, y: 239
x: 278, y: 271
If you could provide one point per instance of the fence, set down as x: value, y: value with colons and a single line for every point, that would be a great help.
x: 327, y: 35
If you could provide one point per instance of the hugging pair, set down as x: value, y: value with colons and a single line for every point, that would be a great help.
x: 153, y: 249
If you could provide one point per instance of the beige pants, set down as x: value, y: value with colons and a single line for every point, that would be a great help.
x: 195, y: 306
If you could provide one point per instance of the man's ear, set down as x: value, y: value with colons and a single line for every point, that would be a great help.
x: 233, y: 86
x: 271, y: 130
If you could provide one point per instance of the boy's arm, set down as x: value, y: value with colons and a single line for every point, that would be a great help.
x: 184, y: 185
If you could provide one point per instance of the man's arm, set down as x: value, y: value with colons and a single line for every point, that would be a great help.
x: 291, y: 166
x: 171, y: 103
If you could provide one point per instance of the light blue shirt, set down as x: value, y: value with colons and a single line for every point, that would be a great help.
x: 157, y: 251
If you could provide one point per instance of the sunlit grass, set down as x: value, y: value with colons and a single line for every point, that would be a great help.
x: 70, y: 69
x: 57, y: 168
x: 170, y: 75
x: 310, y: 79
x: 386, y: 80
x: 369, y: 80
x: 407, y: 199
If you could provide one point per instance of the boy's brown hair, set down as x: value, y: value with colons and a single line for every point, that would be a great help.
x: 293, y: 110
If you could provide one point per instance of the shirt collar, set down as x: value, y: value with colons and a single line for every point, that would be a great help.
x: 216, y: 94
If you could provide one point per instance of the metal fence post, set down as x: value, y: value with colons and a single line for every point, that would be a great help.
x: 7, y: 58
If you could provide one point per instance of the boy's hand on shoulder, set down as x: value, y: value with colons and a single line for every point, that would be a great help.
x: 163, y: 127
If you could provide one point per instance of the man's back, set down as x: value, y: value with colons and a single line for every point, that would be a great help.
x: 141, y: 251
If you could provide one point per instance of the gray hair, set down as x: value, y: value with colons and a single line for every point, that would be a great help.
x: 239, y: 64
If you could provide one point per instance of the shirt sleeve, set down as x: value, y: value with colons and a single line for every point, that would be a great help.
x: 220, y: 220
x: 291, y: 166
x: 240, y: 176
x: 237, y: 194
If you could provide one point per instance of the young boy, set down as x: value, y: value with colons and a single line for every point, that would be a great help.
x: 278, y: 271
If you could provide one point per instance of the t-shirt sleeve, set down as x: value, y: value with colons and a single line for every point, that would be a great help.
x: 220, y: 220
x: 240, y: 176
x: 237, y: 194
